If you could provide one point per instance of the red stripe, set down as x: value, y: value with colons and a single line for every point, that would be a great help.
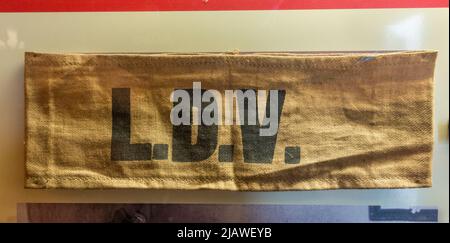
x: 206, y: 5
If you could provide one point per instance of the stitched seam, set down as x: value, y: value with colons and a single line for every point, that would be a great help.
x: 214, y: 179
x: 176, y: 62
x: 309, y: 64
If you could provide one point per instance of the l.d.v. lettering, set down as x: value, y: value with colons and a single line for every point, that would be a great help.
x: 259, y: 127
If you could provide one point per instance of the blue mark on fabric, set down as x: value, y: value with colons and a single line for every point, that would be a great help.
x: 366, y: 59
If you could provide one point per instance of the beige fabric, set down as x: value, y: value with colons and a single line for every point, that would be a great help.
x: 361, y: 120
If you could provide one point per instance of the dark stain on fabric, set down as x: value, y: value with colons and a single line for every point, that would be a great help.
x: 359, y: 116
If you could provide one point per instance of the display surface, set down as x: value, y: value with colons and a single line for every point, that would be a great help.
x: 363, y: 29
x: 213, y: 213
x: 330, y: 120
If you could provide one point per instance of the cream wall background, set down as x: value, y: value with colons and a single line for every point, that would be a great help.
x: 314, y: 30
